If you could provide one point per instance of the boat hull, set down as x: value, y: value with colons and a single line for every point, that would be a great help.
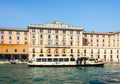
x: 83, y: 65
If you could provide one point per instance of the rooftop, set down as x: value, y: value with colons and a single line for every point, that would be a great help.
x: 54, y: 25
x: 14, y: 29
x: 108, y: 33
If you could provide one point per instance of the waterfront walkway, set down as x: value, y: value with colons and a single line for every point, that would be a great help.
x: 9, y: 62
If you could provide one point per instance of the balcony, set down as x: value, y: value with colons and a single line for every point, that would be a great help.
x: 57, y: 46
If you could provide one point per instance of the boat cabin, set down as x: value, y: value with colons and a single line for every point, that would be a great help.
x: 53, y: 61
x: 65, y: 61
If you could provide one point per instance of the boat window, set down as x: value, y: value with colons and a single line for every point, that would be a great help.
x: 49, y: 59
x: 61, y: 59
x: 66, y: 59
x: 43, y: 59
x: 72, y: 59
x: 38, y: 60
x: 55, y: 59
x: 91, y: 59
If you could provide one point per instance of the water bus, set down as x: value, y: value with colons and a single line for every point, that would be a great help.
x: 66, y: 61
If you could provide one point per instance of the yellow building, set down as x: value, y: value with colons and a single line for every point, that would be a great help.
x: 58, y: 39
x: 14, y: 44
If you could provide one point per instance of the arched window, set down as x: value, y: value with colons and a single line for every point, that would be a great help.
x: 63, y: 50
x: 48, y: 50
x: 56, y: 50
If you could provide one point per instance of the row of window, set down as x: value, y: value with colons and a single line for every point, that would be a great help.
x: 97, y: 40
x: 78, y: 51
x: 111, y: 51
x: 86, y: 42
x: 103, y: 36
x: 56, y: 43
x: 111, y: 56
x: 56, y: 50
x: 15, y: 50
x: 56, y: 36
x: 56, y: 31
x: 103, y: 45
x: 10, y: 42
x: 10, y: 32
x: 10, y: 37
x: 103, y: 40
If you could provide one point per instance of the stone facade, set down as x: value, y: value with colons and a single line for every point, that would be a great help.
x: 54, y: 39
x: 104, y: 45
x: 57, y: 39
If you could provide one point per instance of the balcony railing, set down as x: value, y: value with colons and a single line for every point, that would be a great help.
x: 55, y: 46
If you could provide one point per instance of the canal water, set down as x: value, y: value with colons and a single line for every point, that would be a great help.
x: 22, y: 74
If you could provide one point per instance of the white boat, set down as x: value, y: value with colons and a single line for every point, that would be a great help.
x: 66, y: 61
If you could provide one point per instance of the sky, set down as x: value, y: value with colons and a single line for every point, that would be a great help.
x: 91, y: 15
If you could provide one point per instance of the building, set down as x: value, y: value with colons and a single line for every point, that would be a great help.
x: 57, y: 39
x: 14, y: 44
x: 54, y: 39
x: 104, y: 45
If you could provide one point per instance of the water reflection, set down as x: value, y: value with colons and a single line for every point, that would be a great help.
x: 22, y: 74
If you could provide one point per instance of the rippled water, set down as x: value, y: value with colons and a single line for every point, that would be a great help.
x: 22, y: 74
